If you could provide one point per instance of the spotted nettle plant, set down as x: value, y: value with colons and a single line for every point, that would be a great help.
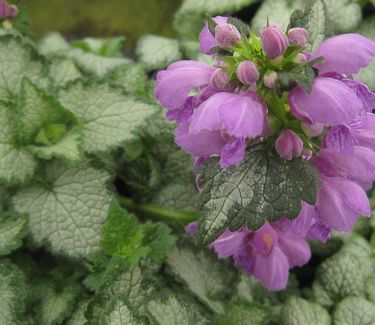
x: 239, y: 208
x: 291, y: 131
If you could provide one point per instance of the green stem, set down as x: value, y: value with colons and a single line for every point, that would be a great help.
x: 276, y: 105
x: 158, y: 213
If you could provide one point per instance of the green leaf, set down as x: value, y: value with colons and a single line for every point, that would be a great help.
x: 156, y: 52
x: 56, y: 304
x: 112, y: 310
x: 244, y: 313
x: 67, y: 148
x: 19, y: 59
x: 12, y: 293
x: 132, y: 78
x: 133, y: 284
x: 46, y: 125
x: 339, y: 276
x: 174, y: 309
x: 78, y: 315
x: 53, y: 44
x: 242, y: 27
x: 302, y: 76
x: 315, y: 20
x: 62, y: 71
x: 95, y: 64
x: 344, y: 15
x: 262, y: 187
x: 123, y: 236
x: 354, y: 311
x: 278, y: 12
x: 190, y: 18
x: 367, y: 28
x: 299, y: 311
x: 207, y: 277
x: 120, y: 313
x: 16, y: 163
x: 109, y: 118
x: 67, y: 210
x: 109, y: 47
x: 13, y: 228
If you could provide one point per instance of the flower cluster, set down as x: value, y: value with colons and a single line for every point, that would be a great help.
x: 251, y: 95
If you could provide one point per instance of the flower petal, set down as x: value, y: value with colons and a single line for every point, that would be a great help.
x: 339, y: 203
x: 243, y: 115
x: 229, y: 243
x: 174, y: 84
x: 330, y: 102
x: 345, y: 54
x: 206, y: 39
x: 203, y: 144
x: 272, y: 270
x: 206, y: 116
x: 233, y: 152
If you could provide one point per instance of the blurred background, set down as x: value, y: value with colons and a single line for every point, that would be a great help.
x: 98, y: 18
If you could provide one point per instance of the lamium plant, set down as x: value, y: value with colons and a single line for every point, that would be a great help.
x: 282, y: 134
x: 216, y: 178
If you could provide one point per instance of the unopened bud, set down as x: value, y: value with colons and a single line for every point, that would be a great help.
x: 300, y: 58
x: 226, y: 35
x: 288, y: 145
x: 7, y: 10
x: 270, y: 79
x: 312, y: 130
x: 247, y: 72
x: 298, y: 36
x: 220, y: 79
x: 274, y: 41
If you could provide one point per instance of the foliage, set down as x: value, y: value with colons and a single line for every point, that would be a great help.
x: 94, y: 193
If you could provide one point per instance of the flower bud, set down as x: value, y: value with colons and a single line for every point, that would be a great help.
x: 298, y: 36
x: 226, y: 35
x: 312, y: 130
x: 288, y: 145
x: 247, y: 72
x: 220, y: 79
x: 274, y: 41
x: 270, y: 79
x: 7, y: 10
x: 300, y: 58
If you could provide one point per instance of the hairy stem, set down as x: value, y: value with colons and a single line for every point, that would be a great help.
x: 158, y: 213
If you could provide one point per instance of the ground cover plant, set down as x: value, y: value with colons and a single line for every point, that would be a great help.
x: 132, y: 192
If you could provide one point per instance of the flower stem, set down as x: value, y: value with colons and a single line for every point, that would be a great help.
x: 158, y: 213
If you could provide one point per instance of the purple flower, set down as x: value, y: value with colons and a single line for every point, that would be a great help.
x: 207, y: 41
x: 221, y: 124
x: 247, y: 72
x: 365, y: 132
x: 307, y: 224
x: 358, y: 166
x: 331, y: 102
x: 366, y: 96
x: 267, y: 253
x: 345, y: 54
x: 270, y: 79
x: 220, y: 80
x: 7, y: 10
x: 226, y: 35
x: 340, y: 202
x: 191, y: 228
x: 174, y: 84
x: 201, y: 145
x: 274, y: 41
x: 298, y: 36
x: 340, y: 139
x: 288, y: 145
